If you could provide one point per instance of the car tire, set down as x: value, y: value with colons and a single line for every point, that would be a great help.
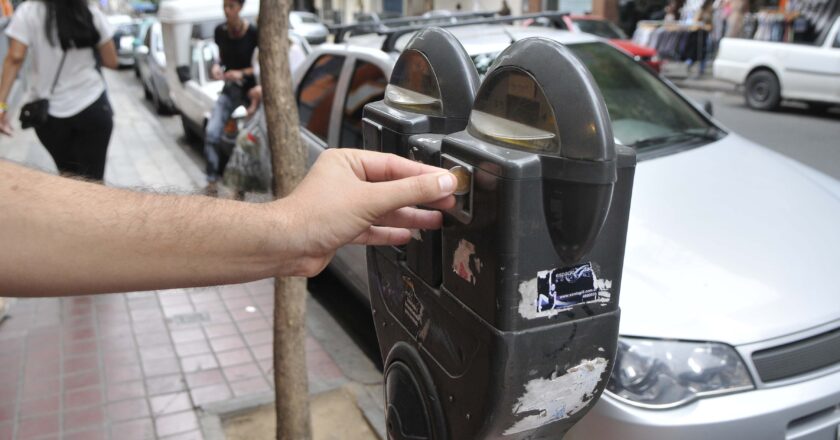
x: 762, y: 90
x: 160, y: 107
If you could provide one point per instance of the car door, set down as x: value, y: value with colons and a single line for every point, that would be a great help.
x: 316, y: 96
x: 193, y: 108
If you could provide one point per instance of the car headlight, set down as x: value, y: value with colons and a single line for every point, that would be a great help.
x: 664, y: 374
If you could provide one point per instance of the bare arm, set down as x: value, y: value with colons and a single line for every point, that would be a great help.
x: 61, y: 236
x: 11, y: 66
x: 108, y: 55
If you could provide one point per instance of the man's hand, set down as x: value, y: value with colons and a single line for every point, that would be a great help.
x: 234, y: 75
x: 361, y: 197
x: 216, y: 72
x: 5, y: 125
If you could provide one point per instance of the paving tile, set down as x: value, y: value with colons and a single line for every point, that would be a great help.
x: 170, y: 403
x: 79, y: 334
x: 192, y: 348
x: 259, y: 337
x: 140, y: 429
x: 204, y: 296
x: 219, y: 330
x: 81, y: 348
x: 39, y: 426
x: 204, y: 378
x: 43, y: 370
x: 152, y: 339
x: 128, y: 409
x: 7, y: 430
x: 123, y: 373
x: 187, y: 335
x: 7, y: 411
x: 191, y: 435
x: 97, y: 433
x: 81, y: 380
x: 173, y: 311
x: 37, y: 407
x: 83, y: 397
x: 157, y: 352
x: 245, y: 387
x: 160, y: 367
x: 165, y: 384
x: 168, y: 300
x: 84, y: 418
x: 233, y: 291
x: 263, y: 352
x: 227, y: 343
x: 235, y: 357
x: 78, y: 364
x: 244, y: 371
x: 253, y: 325
x: 213, y: 393
x: 176, y: 423
x: 191, y: 364
x: 125, y: 390
x: 43, y: 388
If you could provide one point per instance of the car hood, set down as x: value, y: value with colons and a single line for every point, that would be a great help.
x: 730, y: 242
x: 633, y: 48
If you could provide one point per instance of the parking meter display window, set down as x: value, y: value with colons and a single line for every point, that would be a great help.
x: 413, y: 85
x: 317, y: 93
x: 512, y: 108
x: 367, y: 85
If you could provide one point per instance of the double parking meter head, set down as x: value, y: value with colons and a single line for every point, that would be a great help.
x: 504, y: 323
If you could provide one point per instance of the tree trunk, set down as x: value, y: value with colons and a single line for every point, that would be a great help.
x: 289, y: 161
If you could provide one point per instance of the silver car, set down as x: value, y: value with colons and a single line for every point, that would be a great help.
x: 726, y: 330
x: 309, y: 26
x: 151, y: 67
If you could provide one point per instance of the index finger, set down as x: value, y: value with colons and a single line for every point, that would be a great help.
x: 380, y: 167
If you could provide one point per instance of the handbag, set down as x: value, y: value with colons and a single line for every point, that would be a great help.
x: 36, y: 113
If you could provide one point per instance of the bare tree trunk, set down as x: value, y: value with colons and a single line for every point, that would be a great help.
x: 288, y: 160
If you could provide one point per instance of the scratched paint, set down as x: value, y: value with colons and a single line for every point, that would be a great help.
x: 557, y: 398
x: 461, y: 261
x: 529, y: 296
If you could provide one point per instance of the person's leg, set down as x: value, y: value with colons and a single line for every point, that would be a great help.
x: 91, y: 134
x: 213, y: 135
x: 53, y: 136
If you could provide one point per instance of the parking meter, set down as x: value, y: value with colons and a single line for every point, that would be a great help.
x: 517, y: 337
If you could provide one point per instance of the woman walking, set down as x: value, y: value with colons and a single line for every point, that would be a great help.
x: 65, y: 38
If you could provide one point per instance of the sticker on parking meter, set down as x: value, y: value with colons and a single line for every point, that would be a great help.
x: 561, y: 289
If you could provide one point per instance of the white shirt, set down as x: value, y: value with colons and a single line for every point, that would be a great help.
x: 79, y: 84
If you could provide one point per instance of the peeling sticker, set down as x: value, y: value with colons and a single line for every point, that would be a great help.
x: 556, y: 290
x: 415, y: 235
x: 549, y: 400
x: 464, y: 261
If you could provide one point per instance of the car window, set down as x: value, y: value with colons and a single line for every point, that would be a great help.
x: 195, y: 64
x: 600, y: 28
x: 645, y: 113
x: 148, y: 40
x: 367, y: 85
x: 317, y: 92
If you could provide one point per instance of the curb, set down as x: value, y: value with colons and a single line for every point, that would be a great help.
x: 706, y: 85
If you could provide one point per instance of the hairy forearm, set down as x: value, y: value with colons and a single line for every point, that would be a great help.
x: 61, y: 236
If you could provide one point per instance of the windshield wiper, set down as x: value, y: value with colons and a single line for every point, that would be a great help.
x: 677, y: 137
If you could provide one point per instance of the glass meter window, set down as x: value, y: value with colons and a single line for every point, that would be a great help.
x: 414, y: 86
x: 512, y: 108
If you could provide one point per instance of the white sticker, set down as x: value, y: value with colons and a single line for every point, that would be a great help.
x: 464, y: 260
x: 559, y: 397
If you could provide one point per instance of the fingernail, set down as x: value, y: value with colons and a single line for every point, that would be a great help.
x: 447, y: 183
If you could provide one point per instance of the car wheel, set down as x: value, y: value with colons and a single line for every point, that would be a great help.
x: 762, y: 90
x: 160, y: 108
x: 147, y: 93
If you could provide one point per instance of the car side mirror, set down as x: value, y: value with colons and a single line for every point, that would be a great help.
x: 707, y: 107
x: 183, y: 73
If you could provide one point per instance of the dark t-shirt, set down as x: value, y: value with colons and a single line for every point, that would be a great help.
x: 236, y: 53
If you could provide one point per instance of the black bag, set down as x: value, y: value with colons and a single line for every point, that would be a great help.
x: 36, y: 113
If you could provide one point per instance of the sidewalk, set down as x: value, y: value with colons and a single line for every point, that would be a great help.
x: 150, y: 365
x: 678, y: 74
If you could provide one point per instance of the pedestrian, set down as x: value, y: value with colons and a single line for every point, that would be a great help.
x: 67, y: 237
x: 69, y: 105
x: 237, y: 41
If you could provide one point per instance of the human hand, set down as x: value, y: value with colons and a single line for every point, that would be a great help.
x: 216, y: 72
x: 5, y: 124
x: 360, y: 197
x: 233, y: 75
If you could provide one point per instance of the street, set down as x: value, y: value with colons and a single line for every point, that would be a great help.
x: 795, y: 131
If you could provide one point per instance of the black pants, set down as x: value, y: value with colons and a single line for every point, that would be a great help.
x: 78, y: 144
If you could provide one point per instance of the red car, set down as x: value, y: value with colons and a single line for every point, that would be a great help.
x: 595, y: 25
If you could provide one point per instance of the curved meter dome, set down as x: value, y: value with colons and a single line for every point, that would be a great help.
x: 512, y: 108
x: 414, y: 85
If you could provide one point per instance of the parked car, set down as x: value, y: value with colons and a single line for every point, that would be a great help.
x: 309, y: 26
x: 722, y: 336
x: 771, y: 71
x: 595, y: 25
x: 126, y: 30
x: 150, y: 62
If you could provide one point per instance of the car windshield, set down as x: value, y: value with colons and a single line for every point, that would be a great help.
x: 302, y: 18
x: 603, y: 29
x: 646, y: 114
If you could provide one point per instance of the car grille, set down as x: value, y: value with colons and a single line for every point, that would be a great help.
x: 799, y: 357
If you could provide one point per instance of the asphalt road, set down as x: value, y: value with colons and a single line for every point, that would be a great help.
x: 809, y: 137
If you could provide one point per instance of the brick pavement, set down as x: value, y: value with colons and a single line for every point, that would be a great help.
x: 136, y: 365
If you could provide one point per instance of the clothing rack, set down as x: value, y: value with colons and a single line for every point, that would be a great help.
x: 674, y: 40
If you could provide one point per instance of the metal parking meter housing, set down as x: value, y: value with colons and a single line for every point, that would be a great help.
x: 518, y: 338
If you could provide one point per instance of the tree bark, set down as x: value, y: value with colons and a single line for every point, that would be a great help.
x: 288, y: 161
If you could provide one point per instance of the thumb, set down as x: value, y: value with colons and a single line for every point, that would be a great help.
x: 414, y: 190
